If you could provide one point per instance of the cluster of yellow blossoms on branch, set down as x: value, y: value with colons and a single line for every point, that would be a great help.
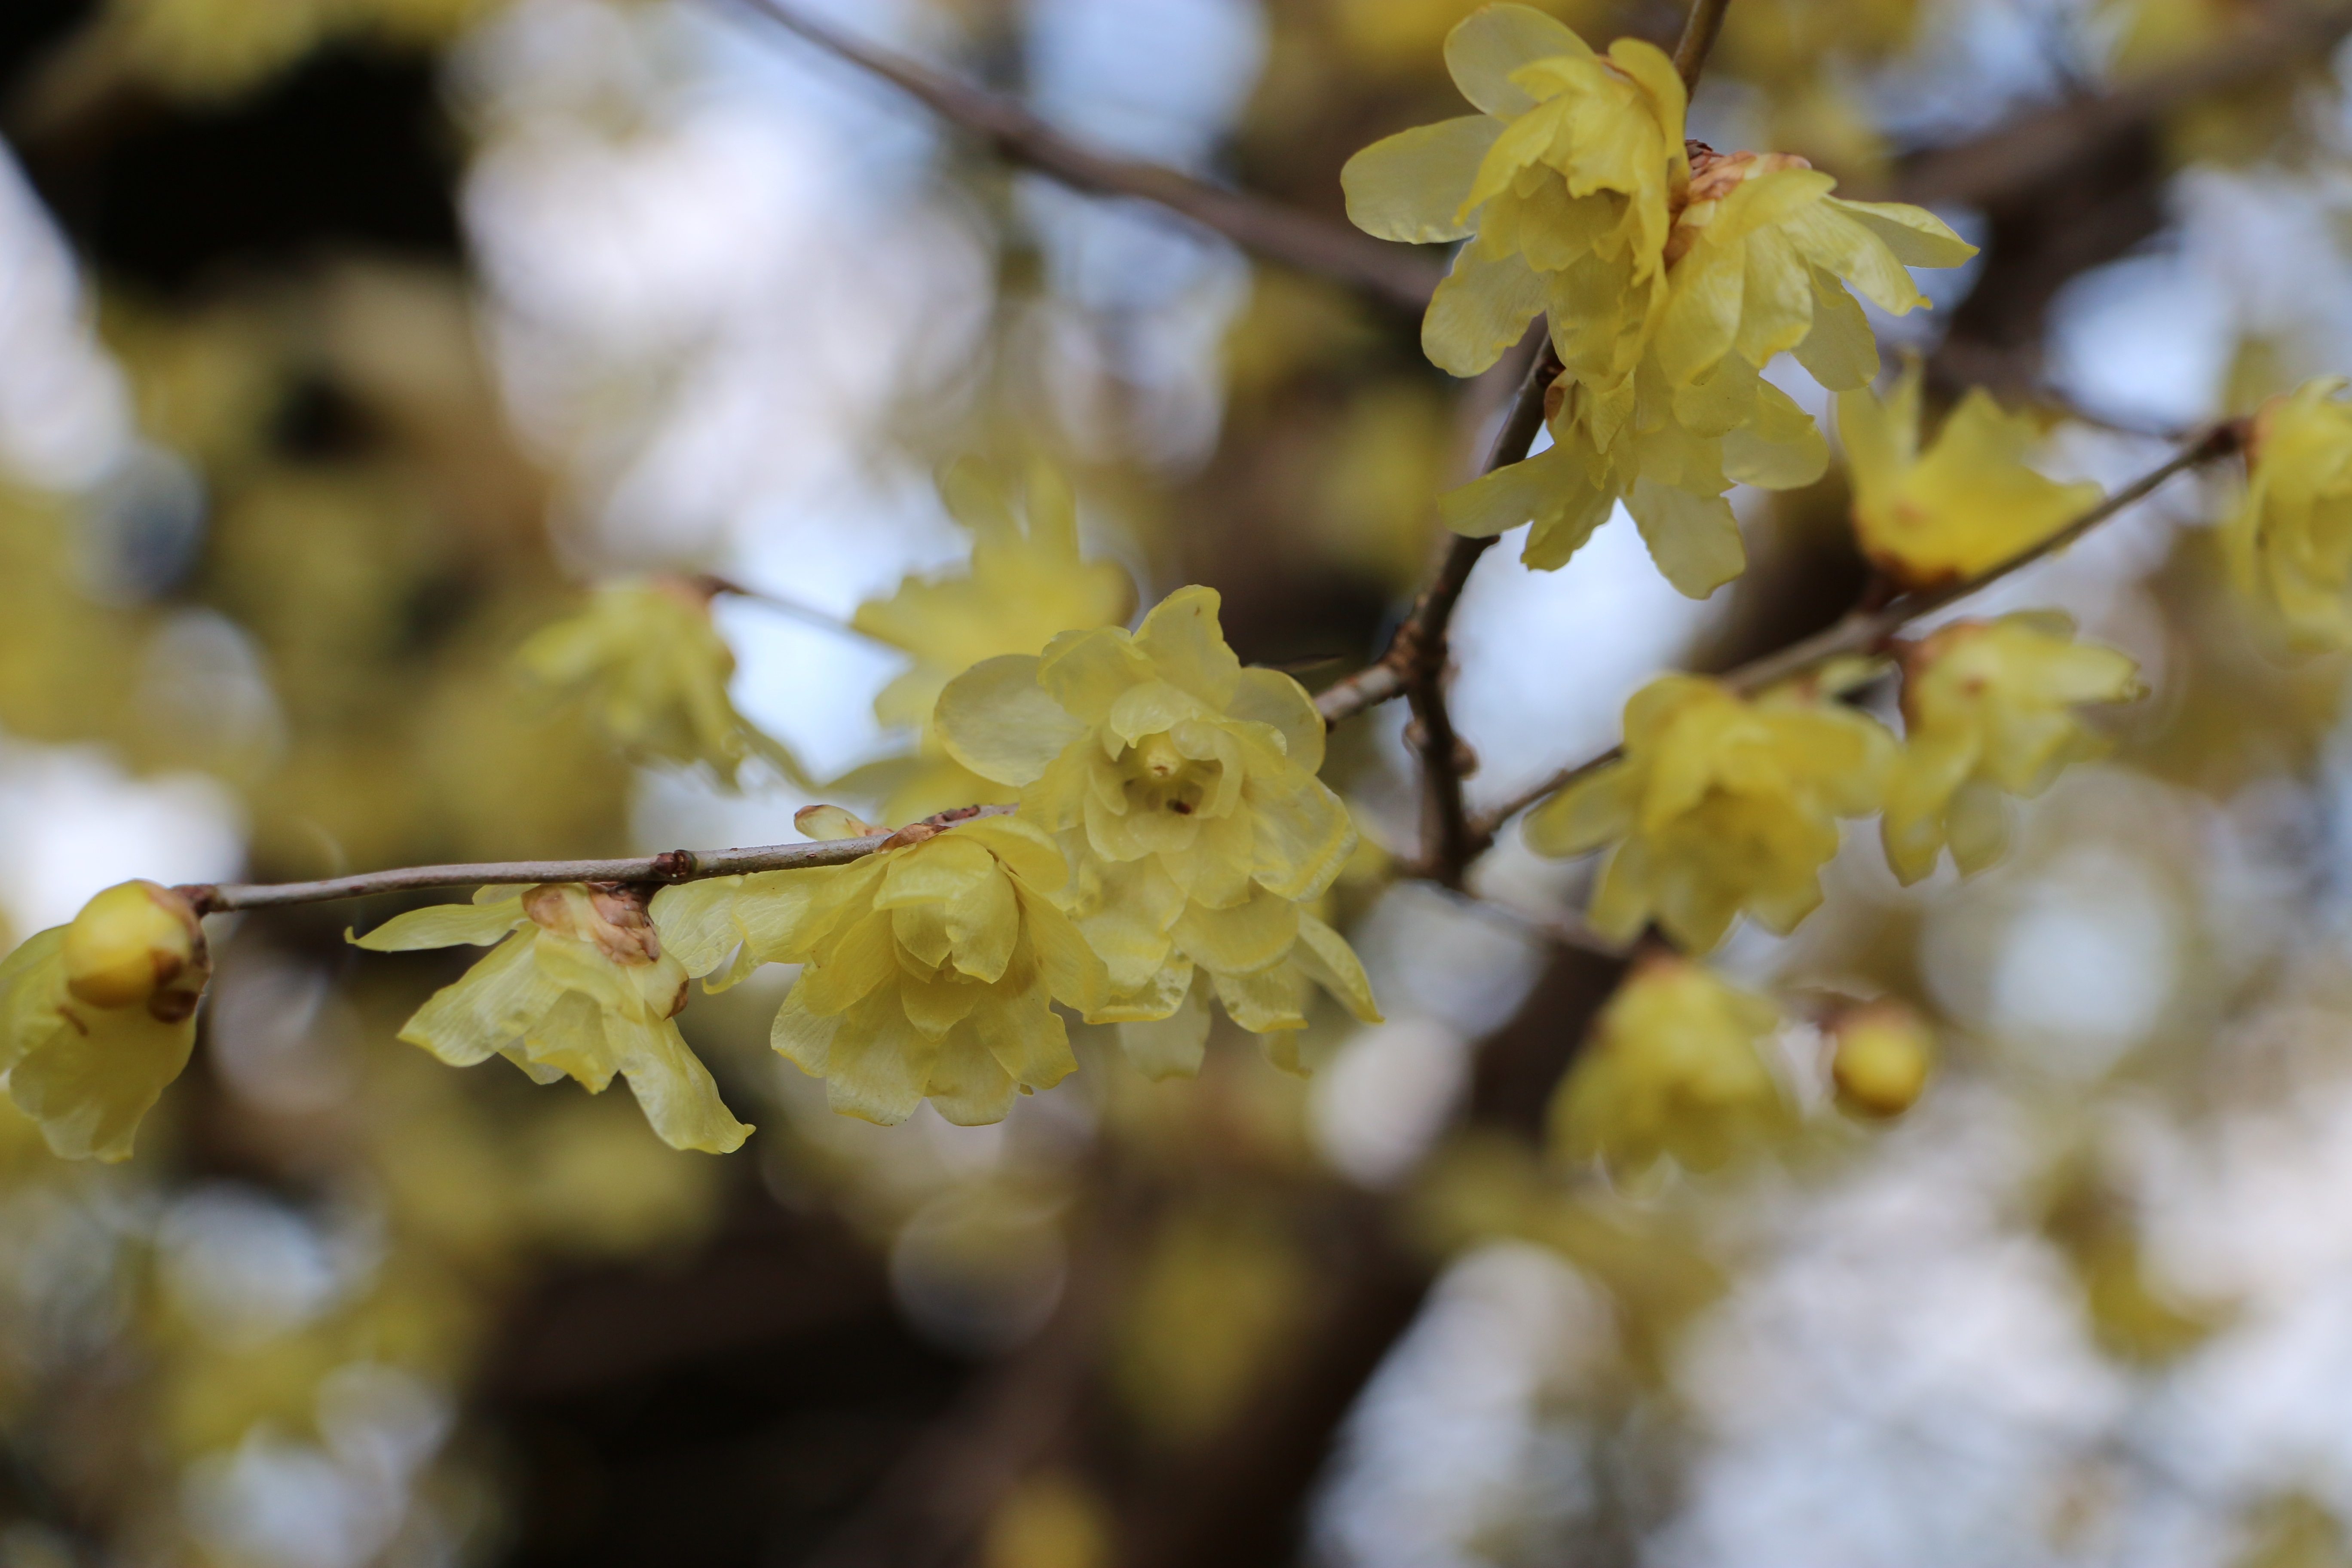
x: 1129, y: 828
x: 1670, y: 276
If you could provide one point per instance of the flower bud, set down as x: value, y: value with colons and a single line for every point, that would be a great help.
x: 1881, y: 1060
x: 137, y: 942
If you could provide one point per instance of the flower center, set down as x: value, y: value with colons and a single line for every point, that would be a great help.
x: 1158, y: 777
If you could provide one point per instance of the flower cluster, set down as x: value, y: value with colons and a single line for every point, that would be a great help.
x: 2290, y: 540
x: 648, y: 663
x: 930, y: 968
x: 1721, y: 805
x: 1182, y: 789
x: 1674, y: 1069
x: 577, y: 985
x: 1670, y: 276
x: 1026, y: 586
x: 1989, y: 711
x: 1964, y: 505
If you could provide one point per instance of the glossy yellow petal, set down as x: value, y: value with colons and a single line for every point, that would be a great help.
x: 1246, y: 937
x: 1841, y: 352
x: 1171, y: 1046
x: 1409, y: 186
x: 92, y: 1082
x: 1486, y: 47
x: 1324, y: 956
x: 1915, y: 236
x: 1271, y: 698
x: 1267, y: 1000
x: 491, y: 1005
x: 968, y: 1086
x: 996, y: 720
x: 1694, y: 540
x: 444, y: 925
x: 1482, y: 307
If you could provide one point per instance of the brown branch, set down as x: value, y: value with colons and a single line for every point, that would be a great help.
x: 670, y: 865
x: 1700, y: 29
x: 1868, y: 630
x: 1277, y: 233
x: 2040, y: 144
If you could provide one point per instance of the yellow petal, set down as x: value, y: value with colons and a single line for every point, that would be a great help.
x: 1915, y: 236
x: 94, y: 1080
x: 974, y: 497
x: 492, y: 1003
x: 1170, y: 1047
x: 1247, y: 937
x: 1324, y: 956
x: 968, y: 1086
x: 1597, y: 809
x: 673, y: 1088
x: 444, y: 925
x: 32, y: 983
x: 998, y: 721
x: 1841, y: 352
x: 1271, y: 698
x: 878, y: 1064
x: 1409, y: 186
x: 1482, y: 307
x: 1025, y: 1037
x: 1270, y: 999
x: 1487, y: 46
x: 1694, y: 540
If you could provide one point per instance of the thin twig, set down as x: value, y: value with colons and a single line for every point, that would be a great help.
x: 1868, y: 631
x: 790, y: 609
x: 1277, y: 233
x: 670, y: 865
x: 1700, y: 30
x: 2017, y: 155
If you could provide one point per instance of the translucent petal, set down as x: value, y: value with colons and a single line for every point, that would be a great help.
x: 1841, y: 352
x: 1271, y: 698
x: 1171, y: 1046
x: 1694, y: 540
x: 1302, y: 834
x: 32, y: 982
x: 1916, y: 236
x: 1074, y: 974
x: 968, y: 1086
x: 444, y: 925
x: 1269, y: 999
x: 1597, y: 809
x: 1247, y: 937
x: 1025, y: 1037
x: 1482, y: 307
x: 673, y: 1088
x: 1324, y: 956
x: 975, y: 498
x: 93, y: 1081
x: 1485, y: 47
x: 493, y: 1003
x: 1409, y: 186
x: 1186, y: 646
x: 696, y: 921
x: 1780, y: 450
x: 879, y: 1065
x: 998, y: 721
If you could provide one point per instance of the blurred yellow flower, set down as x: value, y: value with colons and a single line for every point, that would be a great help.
x: 647, y: 660
x: 96, y: 1016
x: 1719, y: 804
x: 577, y: 985
x: 1673, y: 1070
x: 2290, y: 541
x: 1654, y: 260
x: 1989, y: 711
x: 1882, y: 1054
x: 1966, y: 504
x: 931, y: 966
x: 1184, y: 791
x: 1026, y: 586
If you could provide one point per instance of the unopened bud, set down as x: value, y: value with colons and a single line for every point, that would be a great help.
x: 137, y: 942
x: 1883, y: 1054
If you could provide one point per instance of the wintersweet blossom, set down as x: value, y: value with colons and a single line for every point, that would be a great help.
x: 1964, y: 504
x: 1880, y: 1056
x: 1721, y: 805
x: 1181, y: 788
x: 1026, y: 586
x: 2290, y: 540
x: 1989, y: 711
x: 649, y: 664
x: 98, y: 1016
x: 1670, y: 275
x: 930, y: 967
x: 577, y: 985
x: 1673, y: 1070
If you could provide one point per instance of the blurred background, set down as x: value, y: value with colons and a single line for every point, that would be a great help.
x: 345, y: 342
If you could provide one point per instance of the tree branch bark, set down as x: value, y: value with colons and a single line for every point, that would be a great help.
x: 1298, y: 240
x: 670, y: 865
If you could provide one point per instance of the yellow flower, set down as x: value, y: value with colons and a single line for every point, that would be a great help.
x: 98, y: 1016
x: 1882, y: 1057
x: 653, y: 669
x: 1989, y: 711
x: 1671, y: 1070
x: 1563, y: 184
x: 932, y: 966
x: 579, y: 985
x: 1184, y: 791
x: 1718, y: 806
x: 1654, y: 260
x: 1966, y: 504
x: 1024, y: 586
x: 2290, y: 541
